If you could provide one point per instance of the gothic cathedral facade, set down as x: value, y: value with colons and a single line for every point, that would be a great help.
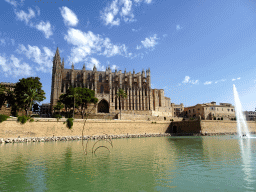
x: 140, y: 100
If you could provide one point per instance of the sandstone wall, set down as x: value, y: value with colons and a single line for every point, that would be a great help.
x: 217, y: 127
x: 45, y: 128
x: 185, y: 127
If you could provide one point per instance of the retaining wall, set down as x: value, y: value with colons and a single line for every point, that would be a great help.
x: 45, y: 128
x: 224, y: 127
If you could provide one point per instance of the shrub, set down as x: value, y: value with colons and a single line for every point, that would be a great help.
x: 69, y: 115
x: 56, y: 116
x: 31, y: 120
x: 22, y: 119
x: 70, y: 123
x: 64, y: 122
x: 3, y: 118
x: 35, y: 115
x: 191, y: 118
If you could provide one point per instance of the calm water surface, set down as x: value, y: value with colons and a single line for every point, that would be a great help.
x: 223, y: 163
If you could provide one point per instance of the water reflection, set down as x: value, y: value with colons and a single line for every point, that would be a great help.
x: 245, y: 146
x: 135, y: 164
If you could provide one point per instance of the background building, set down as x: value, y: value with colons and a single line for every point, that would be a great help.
x: 208, y: 111
x: 250, y: 115
x: 141, y: 99
x: 6, y: 108
x: 178, y: 110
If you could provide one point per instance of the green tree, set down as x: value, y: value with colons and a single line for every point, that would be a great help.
x: 78, y: 98
x: 84, y: 96
x: 121, y: 94
x: 12, y: 100
x: 2, y: 95
x: 28, y: 91
x: 59, y: 106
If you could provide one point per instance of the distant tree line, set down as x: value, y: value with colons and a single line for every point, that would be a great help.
x: 27, y: 92
x: 76, y: 98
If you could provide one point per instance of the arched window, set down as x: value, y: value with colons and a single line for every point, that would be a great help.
x: 67, y: 77
x: 100, y: 78
x: 88, y: 77
x: 101, y: 89
x: 78, y: 76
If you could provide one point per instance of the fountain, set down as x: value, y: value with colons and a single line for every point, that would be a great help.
x: 242, y: 128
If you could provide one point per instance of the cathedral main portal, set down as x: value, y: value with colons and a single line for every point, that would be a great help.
x: 103, y: 106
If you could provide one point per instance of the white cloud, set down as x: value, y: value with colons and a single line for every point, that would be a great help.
x: 138, y: 47
x: 23, y: 16
x: 187, y: 80
x: 195, y: 81
x: 14, y: 67
x: 94, y: 62
x: 88, y: 43
x: 69, y: 17
x: 44, y: 60
x: 208, y: 83
x: 148, y: 1
x: 13, y: 41
x: 38, y: 11
x: 178, y: 27
x: 126, y: 12
x: 113, y: 67
x: 45, y: 28
x: 238, y: 78
x: 222, y: 80
x: 2, y: 42
x: 150, y: 42
x: 110, y: 15
x: 7, y: 41
x: 145, y: 1
x: 12, y: 2
x: 233, y: 79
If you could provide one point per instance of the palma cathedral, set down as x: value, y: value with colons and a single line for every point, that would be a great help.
x: 140, y: 100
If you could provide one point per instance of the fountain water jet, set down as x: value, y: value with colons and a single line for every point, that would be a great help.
x: 241, y: 123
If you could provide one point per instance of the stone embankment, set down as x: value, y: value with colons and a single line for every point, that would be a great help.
x: 71, y: 138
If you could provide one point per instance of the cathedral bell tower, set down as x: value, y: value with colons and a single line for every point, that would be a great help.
x: 56, y: 79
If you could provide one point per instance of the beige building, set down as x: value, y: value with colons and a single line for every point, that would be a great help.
x: 6, y: 108
x: 250, y: 115
x: 45, y: 110
x: 178, y: 110
x: 141, y: 99
x: 210, y: 111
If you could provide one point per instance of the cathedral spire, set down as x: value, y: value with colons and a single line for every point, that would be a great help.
x: 57, y: 54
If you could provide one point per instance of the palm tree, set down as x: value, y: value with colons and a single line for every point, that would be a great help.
x: 73, y: 94
x: 30, y: 97
x: 121, y: 94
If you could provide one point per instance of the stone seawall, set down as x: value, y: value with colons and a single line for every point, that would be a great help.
x: 213, y: 127
x: 208, y: 127
x: 51, y: 127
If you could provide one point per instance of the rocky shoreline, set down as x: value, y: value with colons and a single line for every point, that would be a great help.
x: 71, y: 138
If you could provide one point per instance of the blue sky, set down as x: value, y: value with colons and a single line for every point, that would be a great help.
x: 196, y: 50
